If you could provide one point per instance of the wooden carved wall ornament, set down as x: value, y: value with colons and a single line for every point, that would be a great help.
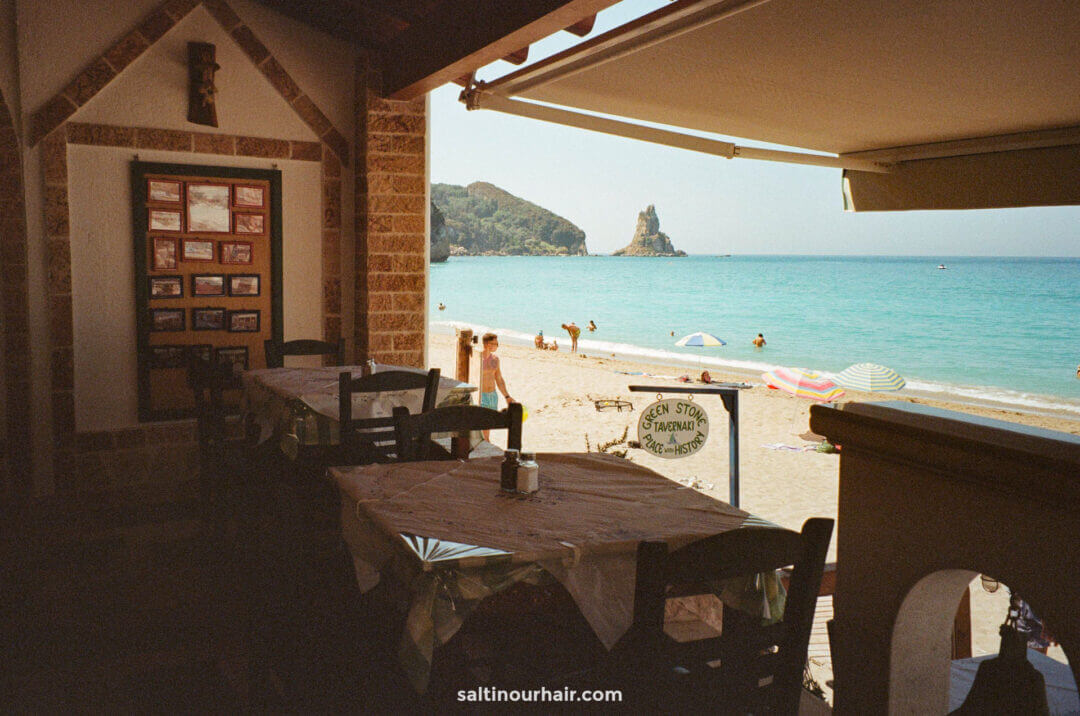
x: 202, y: 108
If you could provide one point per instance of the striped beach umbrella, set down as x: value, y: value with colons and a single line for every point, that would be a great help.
x: 700, y: 339
x: 803, y: 384
x: 870, y: 377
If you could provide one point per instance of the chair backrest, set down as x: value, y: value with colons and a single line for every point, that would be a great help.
x: 751, y: 667
x: 276, y: 352
x: 379, y: 430
x: 208, y: 382
x: 413, y: 432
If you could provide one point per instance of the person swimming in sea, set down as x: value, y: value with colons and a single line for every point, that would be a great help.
x: 759, y: 342
x: 592, y: 326
x: 442, y: 306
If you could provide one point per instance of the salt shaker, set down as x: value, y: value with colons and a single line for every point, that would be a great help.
x: 528, y: 473
x: 508, y: 475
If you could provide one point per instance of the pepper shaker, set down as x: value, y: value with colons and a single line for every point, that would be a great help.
x: 508, y: 475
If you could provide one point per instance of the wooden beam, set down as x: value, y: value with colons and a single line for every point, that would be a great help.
x: 463, y: 36
x: 582, y: 28
x: 342, y: 20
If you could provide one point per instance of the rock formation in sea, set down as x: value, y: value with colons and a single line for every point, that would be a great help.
x: 483, y: 220
x: 648, y: 239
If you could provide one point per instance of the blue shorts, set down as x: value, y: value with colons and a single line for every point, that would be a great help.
x: 489, y: 400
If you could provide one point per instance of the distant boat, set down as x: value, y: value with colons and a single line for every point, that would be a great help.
x: 943, y: 267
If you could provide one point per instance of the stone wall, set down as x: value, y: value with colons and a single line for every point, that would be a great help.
x: 391, y: 225
x: 14, y: 316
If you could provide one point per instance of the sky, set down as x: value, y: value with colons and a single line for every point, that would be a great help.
x: 706, y: 204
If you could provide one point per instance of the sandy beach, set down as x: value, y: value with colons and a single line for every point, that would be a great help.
x: 784, y: 486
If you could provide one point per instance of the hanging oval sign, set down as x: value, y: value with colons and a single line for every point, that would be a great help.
x: 673, y: 428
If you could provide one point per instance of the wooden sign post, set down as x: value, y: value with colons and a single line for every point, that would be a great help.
x: 460, y: 444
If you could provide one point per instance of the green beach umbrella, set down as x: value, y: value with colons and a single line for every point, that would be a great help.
x: 870, y: 378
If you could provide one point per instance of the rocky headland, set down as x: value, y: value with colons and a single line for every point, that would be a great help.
x: 483, y: 220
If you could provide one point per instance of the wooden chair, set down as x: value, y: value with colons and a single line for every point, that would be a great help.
x: 276, y: 352
x: 749, y: 668
x: 413, y: 432
x: 372, y: 439
x: 208, y: 382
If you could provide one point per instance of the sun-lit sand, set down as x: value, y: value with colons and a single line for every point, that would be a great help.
x: 784, y: 486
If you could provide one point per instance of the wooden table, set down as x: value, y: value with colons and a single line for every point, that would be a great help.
x: 446, y: 531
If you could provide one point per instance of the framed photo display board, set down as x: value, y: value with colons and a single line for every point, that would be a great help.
x: 208, y: 275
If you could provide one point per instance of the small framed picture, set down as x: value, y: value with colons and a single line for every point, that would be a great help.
x: 163, y: 190
x: 164, y: 253
x: 243, y: 284
x: 166, y: 319
x: 208, y: 319
x: 248, y: 196
x: 234, y: 356
x: 198, y: 250
x: 201, y: 351
x: 243, y: 321
x: 166, y: 287
x: 208, y: 208
x: 168, y: 356
x: 165, y: 220
x: 249, y: 224
x: 203, y: 284
x: 235, y: 252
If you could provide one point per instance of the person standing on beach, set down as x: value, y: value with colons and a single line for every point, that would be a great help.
x: 759, y: 341
x: 574, y: 332
x: 491, y: 376
x: 538, y: 341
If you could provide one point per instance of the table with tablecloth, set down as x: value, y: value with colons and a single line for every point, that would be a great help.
x: 448, y: 537
x: 299, y: 406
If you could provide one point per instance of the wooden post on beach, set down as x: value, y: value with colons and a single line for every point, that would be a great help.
x: 459, y: 444
x: 464, y: 351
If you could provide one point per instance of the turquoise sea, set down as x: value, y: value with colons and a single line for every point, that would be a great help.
x: 1005, y: 330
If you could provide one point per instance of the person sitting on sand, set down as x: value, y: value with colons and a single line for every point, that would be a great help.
x: 759, y: 341
x: 574, y: 332
x: 592, y: 326
x: 491, y: 376
x: 554, y: 345
x: 705, y: 377
x: 538, y: 341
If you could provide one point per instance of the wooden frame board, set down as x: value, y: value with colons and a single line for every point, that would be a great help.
x: 163, y: 390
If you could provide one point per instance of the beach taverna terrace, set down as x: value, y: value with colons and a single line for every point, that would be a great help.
x: 286, y: 145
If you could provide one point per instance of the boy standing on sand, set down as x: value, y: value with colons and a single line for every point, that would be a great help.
x: 491, y: 376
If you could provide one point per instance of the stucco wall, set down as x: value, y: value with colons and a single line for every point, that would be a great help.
x: 56, y: 40
x: 102, y: 271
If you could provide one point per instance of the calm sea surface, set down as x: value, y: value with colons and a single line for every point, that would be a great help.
x: 1005, y: 330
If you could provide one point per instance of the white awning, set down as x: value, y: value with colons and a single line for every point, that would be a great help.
x: 961, y: 104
